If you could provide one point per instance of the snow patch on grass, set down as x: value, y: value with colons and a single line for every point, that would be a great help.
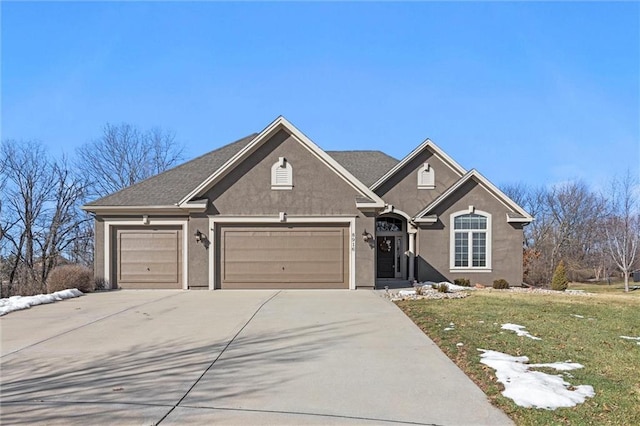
x: 520, y: 330
x: 17, y: 303
x: 450, y: 286
x: 631, y: 338
x: 533, y: 388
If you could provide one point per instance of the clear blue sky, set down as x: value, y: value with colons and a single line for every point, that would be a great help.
x: 523, y: 92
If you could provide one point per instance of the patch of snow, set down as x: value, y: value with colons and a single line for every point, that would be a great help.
x: 577, y: 316
x: 425, y: 292
x: 450, y: 286
x: 452, y: 326
x: 406, y: 293
x: 16, y: 303
x: 460, y: 344
x: 631, y: 338
x: 519, y: 329
x: 533, y: 388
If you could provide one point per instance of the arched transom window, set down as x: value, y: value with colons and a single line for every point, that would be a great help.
x: 388, y: 224
x: 471, y: 240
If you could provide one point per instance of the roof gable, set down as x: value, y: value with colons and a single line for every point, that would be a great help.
x: 282, y: 124
x: 427, y: 144
x: 518, y: 213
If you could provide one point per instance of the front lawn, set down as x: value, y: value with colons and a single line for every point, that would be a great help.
x: 583, y: 329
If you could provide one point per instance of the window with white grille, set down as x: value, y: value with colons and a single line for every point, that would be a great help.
x: 470, y: 240
x: 282, y: 175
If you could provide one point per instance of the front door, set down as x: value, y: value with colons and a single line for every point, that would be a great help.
x: 386, y: 247
x: 390, y: 255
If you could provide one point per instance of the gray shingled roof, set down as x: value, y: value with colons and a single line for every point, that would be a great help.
x: 366, y: 166
x: 171, y: 186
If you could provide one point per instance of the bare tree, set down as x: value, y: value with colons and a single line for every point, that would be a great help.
x: 622, y: 226
x: 124, y: 155
x: 40, y: 212
x: 567, y: 226
x: 62, y: 218
x: 29, y: 183
x: 577, y: 214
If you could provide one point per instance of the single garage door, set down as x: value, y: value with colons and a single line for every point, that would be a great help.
x: 270, y: 257
x: 148, y: 257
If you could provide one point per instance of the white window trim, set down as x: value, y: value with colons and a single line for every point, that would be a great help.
x: 452, y: 243
x: 431, y: 182
x: 146, y: 221
x: 281, y: 163
x: 259, y: 220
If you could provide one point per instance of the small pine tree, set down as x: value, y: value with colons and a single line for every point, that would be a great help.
x: 559, y: 281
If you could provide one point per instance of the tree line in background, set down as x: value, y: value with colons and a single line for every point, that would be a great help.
x: 41, y: 223
x: 596, y: 235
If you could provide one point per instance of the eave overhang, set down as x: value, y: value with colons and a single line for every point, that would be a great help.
x: 191, y: 207
x: 429, y: 220
x: 367, y: 204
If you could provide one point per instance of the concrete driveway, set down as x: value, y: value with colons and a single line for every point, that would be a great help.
x: 229, y: 357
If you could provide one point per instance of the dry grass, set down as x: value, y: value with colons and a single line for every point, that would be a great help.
x: 585, y: 329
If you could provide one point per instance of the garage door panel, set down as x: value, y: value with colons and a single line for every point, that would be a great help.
x: 148, y: 258
x: 290, y: 272
x: 291, y: 257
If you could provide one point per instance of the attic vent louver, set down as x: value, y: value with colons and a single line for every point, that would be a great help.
x: 282, y: 175
x: 426, y: 177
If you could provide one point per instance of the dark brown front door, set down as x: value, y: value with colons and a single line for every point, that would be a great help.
x: 386, y: 252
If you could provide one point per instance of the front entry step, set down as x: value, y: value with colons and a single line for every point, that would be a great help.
x: 381, y: 284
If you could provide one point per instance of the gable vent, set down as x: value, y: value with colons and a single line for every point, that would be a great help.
x: 281, y: 175
x: 426, y: 177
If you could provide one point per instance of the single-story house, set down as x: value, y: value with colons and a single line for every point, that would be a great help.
x: 273, y: 210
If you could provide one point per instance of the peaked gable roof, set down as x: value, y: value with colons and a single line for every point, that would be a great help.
x: 426, y: 145
x: 371, y: 200
x: 518, y: 214
x: 170, y: 186
x: 366, y: 166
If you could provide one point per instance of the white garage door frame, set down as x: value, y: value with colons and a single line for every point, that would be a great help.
x: 109, y: 224
x: 298, y: 220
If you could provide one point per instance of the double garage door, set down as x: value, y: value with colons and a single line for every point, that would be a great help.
x: 279, y: 256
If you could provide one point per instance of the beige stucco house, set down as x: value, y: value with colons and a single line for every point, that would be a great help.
x: 273, y: 210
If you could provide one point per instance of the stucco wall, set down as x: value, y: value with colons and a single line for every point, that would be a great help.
x: 98, y: 250
x: 365, y: 252
x: 317, y: 191
x: 433, y: 242
x: 198, y: 252
x: 402, y: 190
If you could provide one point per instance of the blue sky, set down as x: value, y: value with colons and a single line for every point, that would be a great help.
x: 523, y: 92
